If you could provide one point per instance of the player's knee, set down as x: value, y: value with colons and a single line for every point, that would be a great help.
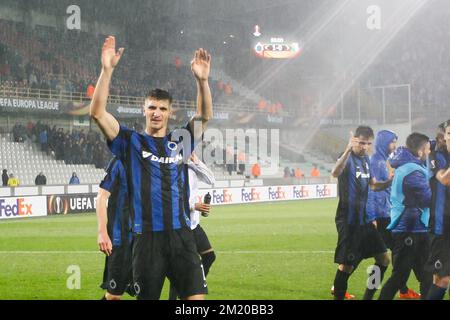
x: 110, y: 296
x: 383, y: 260
x: 195, y: 297
x: 442, y: 282
x: 345, y: 268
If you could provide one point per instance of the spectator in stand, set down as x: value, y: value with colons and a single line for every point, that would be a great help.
x: 315, y: 172
x: 43, y: 140
x: 287, y: 172
x: 298, y: 173
x: 229, y: 156
x: 178, y: 63
x: 13, y: 181
x: 5, y: 177
x: 41, y: 179
x: 228, y: 89
x: 256, y: 170
x: 74, y: 179
x: 90, y: 91
x: 241, y: 162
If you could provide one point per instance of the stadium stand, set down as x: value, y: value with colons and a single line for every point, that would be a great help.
x: 25, y: 160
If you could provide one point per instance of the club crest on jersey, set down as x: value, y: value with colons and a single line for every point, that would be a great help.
x: 154, y: 158
x: 172, y: 145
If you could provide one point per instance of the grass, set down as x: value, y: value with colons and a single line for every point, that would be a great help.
x: 281, y: 250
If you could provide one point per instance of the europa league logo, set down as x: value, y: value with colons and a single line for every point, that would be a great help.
x: 57, y: 205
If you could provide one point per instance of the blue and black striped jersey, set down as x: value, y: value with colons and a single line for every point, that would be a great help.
x: 353, y: 188
x: 157, y: 177
x: 115, y: 182
x: 440, y: 207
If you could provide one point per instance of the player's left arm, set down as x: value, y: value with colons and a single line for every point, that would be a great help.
x: 204, y: 174
x: 103, y: 240
x: 443, y: 176
x: 201, y: 66
x: 380, y: 185
x: 440, y: 169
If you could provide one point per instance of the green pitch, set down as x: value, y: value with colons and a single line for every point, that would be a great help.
x: 280, y: 250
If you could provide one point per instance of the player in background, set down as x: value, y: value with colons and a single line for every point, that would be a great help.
x: 358, y: 238
x: 198, y: 171
x: 410, y: 213
x: 439, y: 259
x: 379, y: 203
x: 114, y: 236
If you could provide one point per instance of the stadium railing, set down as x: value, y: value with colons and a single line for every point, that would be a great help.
x: 68, y: 96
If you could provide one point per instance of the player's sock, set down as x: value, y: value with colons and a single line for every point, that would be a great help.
x: 340, y: 284
x: 104, y: 297
x: 404, y: 290
x: 368, y: 295
x: 173, y: 294
x: 207, y: 261
x: 436, y: 293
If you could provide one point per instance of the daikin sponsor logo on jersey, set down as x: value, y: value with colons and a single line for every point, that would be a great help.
x: 154, y: 158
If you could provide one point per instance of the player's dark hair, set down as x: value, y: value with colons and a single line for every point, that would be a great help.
x: 159, y: 94
x: 443, y: 126
x: 416, y: 141
x: 364, y: 131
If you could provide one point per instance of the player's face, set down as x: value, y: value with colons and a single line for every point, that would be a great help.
x: 425, y: 152
x: 364, y: 146
x: 447, y: 137
x: 157, y: 113
x: 393, y: 146
x: 440, y: 140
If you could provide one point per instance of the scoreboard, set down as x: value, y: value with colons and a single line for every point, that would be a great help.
x: 277, y: 48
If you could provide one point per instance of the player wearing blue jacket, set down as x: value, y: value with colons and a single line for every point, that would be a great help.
x: 379, y: 203
x: 410, y: 214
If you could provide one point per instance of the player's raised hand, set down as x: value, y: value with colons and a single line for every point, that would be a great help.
x: 352, y: 142
x: 201, y: 64
x: 110, y: 57
x: 104, y: 243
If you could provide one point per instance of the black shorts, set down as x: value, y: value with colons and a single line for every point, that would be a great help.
x: 386, y: 234
x: 356, y: 243
x: 410, y: 252
x: 439, y: 258
x: 201, y: 239
x: 172, y: 254
x: 117, y: 276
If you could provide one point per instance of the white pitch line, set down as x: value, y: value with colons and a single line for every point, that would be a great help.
x: 277, y: 252
x: 47, y: 252
x: 220, y: 252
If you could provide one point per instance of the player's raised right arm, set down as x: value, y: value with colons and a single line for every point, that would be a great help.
x: 106, y: 122
x: 342, y: 161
